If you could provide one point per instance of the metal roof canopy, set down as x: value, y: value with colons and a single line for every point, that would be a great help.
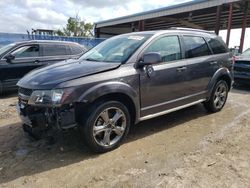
x: 210, y: 15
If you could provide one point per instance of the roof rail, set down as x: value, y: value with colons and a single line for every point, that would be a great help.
x: 191, y: 29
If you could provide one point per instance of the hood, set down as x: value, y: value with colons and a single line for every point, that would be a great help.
x: 242, y: 58
x: 52, y: 75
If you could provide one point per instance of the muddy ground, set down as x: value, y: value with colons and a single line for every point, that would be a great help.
x: 188, y: 148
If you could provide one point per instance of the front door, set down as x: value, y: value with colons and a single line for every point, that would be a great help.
x: 163, y: 86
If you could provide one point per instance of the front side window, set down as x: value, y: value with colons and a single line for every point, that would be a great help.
x: 26, y: 51
x: 116, y: 49
x: 168, y: 47
x: 195, y: 47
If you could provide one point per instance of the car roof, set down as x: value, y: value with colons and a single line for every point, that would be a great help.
x: 177, y: 31
x: 46, y: 42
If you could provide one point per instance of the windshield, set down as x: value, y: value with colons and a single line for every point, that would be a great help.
x: 6, y: 48
x: 116, y: 49
x: 246, y: 53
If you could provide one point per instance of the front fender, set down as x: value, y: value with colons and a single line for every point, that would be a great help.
x: 108, y: 88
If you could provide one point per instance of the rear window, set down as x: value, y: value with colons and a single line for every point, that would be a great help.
x: 76, y: 49
x: 56, y: 50
x: 195, y: 47
x: 217, y: 46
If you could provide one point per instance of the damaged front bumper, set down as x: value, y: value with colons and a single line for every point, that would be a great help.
x: 38, y: 119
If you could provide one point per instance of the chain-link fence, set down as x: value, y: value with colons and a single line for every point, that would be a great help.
x: 7, y: 38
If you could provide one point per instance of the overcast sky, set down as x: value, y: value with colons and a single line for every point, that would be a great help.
x: 18, y: 16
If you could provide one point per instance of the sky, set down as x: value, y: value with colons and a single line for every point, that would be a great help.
x: 18, y: 16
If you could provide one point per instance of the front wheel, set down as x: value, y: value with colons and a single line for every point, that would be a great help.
x: 105, y: 125
x: 218, y: 97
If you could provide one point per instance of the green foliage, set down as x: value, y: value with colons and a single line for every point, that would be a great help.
x: 77, y: 28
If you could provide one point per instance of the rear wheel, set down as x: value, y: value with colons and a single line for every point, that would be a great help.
x: 218, y: 97
x: 105, y: 125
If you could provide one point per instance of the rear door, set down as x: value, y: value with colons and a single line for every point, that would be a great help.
x: 165, y: 87
x: 55, y: 52
x: 26, y: 59
x: 201, y: 65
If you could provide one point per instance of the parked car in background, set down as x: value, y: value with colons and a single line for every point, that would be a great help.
x: 17, y: 59
x: 124, y: 80
x: 242, y: 68
x: 235, y: 51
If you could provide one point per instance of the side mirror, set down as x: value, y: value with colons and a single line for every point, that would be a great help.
x: 9, y: 57
x: 149, y: 59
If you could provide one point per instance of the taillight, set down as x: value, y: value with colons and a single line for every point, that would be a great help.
x: 233, y: 59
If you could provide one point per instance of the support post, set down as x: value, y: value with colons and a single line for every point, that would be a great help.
x: 243, y: 30
x: 133, y: 26
x: 217, y: 23
x: 229, y: 25
x: 97, y: 32
x: 141, y: 25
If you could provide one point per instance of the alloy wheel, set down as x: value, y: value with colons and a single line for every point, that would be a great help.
x: 220, y: 95
x: 109, y: 126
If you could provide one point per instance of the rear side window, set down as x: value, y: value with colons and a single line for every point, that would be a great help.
x: 76, y: 50
x: 195, y: 47
x: 168, y: 47
x: 217, y: 46
x: 55, y: 50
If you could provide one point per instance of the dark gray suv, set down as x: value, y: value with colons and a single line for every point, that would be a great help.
x: 124, y: 80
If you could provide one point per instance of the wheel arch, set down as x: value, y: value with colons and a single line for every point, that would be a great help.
x: 221, y: 74
x: 121, y: 92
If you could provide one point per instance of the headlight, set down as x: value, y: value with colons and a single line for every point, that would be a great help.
x: 47, y: 97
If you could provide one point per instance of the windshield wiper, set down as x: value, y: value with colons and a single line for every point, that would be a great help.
x: 90, y: 59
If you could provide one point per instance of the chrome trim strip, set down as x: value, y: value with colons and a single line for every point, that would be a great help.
x: 170, y: 110
x: 175, y: 100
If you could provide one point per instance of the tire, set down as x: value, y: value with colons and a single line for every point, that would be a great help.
x: 1, y: 88
x: 218, y: 97
x: 105, y: 125
x: 33, y: 133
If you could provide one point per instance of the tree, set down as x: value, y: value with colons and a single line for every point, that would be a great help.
x: 77, y: 28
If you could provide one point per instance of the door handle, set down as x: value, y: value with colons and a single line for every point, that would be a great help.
x: 36, y: 61
x: 180, y: 69
x: 213, y: 62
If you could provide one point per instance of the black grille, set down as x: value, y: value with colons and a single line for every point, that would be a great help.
x: 25, y: 91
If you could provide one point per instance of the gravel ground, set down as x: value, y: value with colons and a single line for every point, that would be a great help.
x: 188, y: 148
